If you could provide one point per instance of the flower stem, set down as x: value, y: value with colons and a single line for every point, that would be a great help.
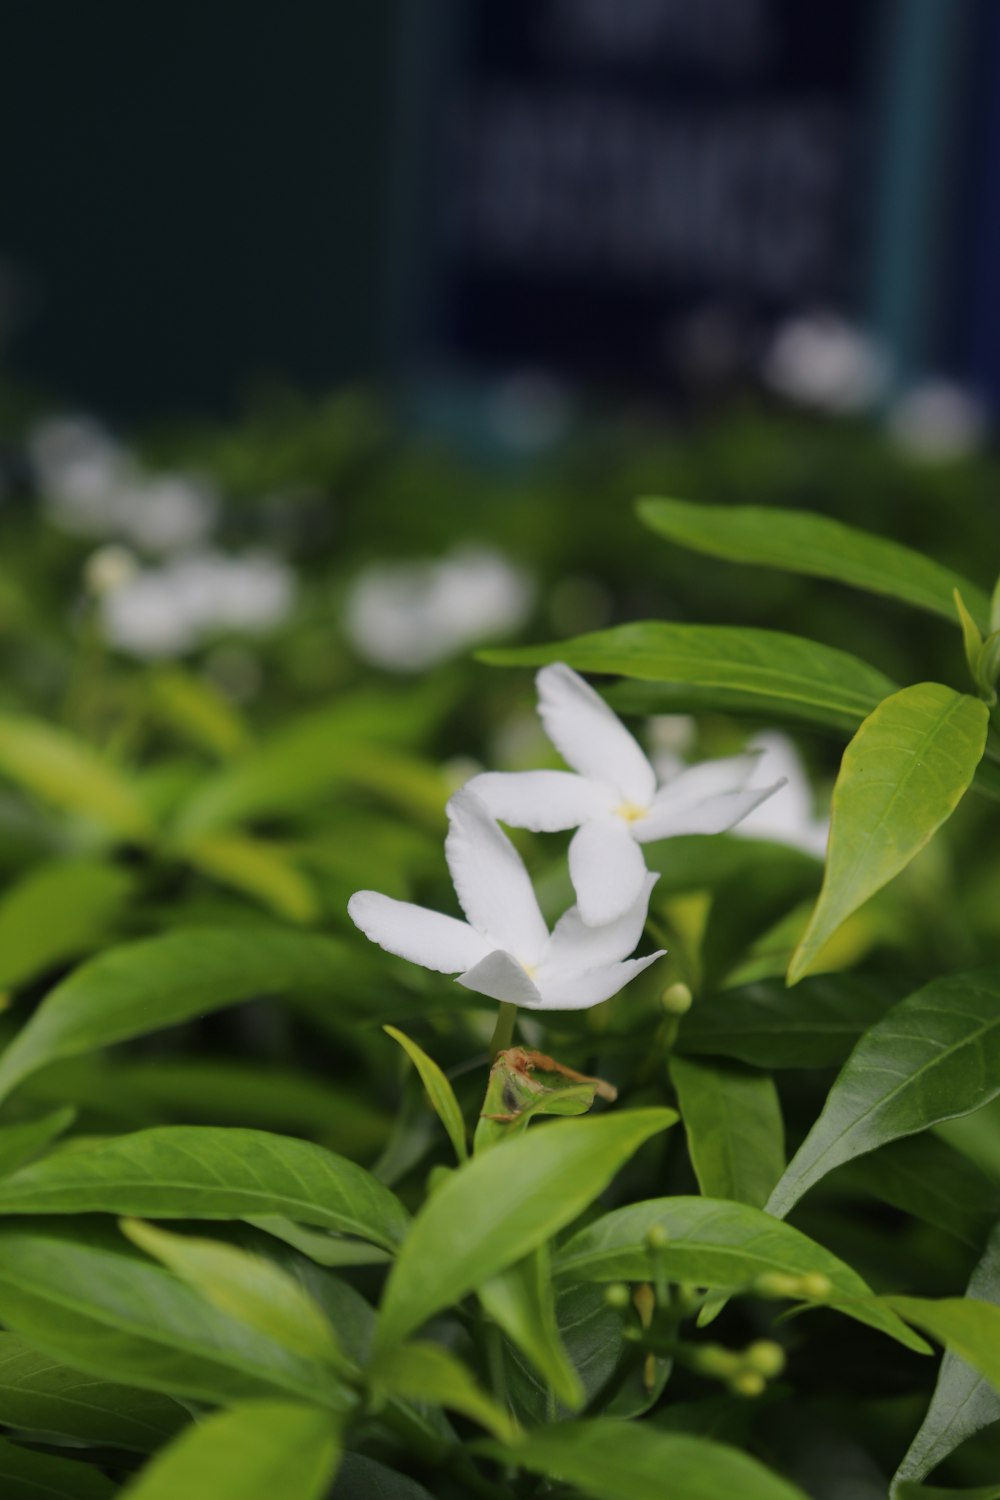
x: 503, y: 1031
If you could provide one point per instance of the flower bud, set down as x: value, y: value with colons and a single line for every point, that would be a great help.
x: 765, y: 1358
x: 714, y: 1359
x: 748, y: 1383
x: 657, y: 1237
x: 616, y: 1295
x: 676, y: 999
x: 645, y: 1303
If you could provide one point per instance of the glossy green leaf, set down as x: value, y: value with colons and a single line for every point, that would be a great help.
x: 609, y: 1460
x: 209, y: 1172
x: 80, y: 1294
x: 28, y: 1475
x: 24, y: 1139
x: 716, y: 1244
x: 56, y: 912
x: 935, y: 1055
x: 161, y: 981
x: 762, y: 672
x: 964, y: 1401
x: 735, y: 1132
x: 247, y: 1286
x: 799, y: 541
x: 926, y: 1178
x: 439, y: 1090
x: 260, y: 870
x: 768, y: 1026
x: 427, y: 1373
x: 521, y: 1300
x: 52, y: 765
x: 902, y: 776
x: 40, y: 1396
x: 258, y: 1451
x: 501, y: 1205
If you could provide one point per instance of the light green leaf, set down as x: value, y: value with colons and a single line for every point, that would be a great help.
x: 966, y: 1326
x: 501, y: 1205
x: 522, y: 1301
x: 80, y: 1294
x: 767, y: 1026
x: 55, y: 912
x: 323, y: 1248
x: 439, y: 1090
x: 972, y: 639
x: 721, y: 1245
x: 39, y: 1396
x: 963, y: 1402
x: 260, y: 1451
x: 198, y: 711
x: 610, y: 1460
x: 209, y: 1172
x: 761, y: 672
x: 20, y: 1141
x: 162, y: 981
x: 27, y: 1475
x: 258, y: 869
x: 902, y: 776
x: 798, y: 541
x: 248, y: 1287
x: 735, y: 1133
x: 52, y: 765
x: 935, y: 1055
x: 427, y: 1373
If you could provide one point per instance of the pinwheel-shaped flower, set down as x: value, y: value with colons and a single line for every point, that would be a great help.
x: 505, y: 950
x: 613, y: 798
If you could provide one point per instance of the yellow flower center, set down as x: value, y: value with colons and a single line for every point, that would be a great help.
x: 631, y: 811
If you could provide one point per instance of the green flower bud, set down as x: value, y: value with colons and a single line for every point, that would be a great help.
x: 616, y: 1295
x: 765, y: 1358
x: 677, y: 999
x: 748, y: 1383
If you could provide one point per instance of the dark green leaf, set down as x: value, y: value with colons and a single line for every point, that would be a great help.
x: 522, y: 1301
x: 27, y: 1475
x: 735, y: 1133
x: 927, y: 1178
x: 23, y: 1140
x: 439, y: 1090
x: 361, y: 1478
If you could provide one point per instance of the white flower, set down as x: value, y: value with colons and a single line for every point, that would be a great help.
x: 407, y: 616
x: 788, y: 817
x: 822, y: 361
x: 614, y: 800
x: 937, y: 420
x: 505, y: 950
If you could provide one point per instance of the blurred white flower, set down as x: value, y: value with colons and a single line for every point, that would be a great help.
x: 408, y: 616
x: 166, y: 611
x: 823, y: 361
x: 107, y: 569
x: 788, y: 817
x: 937, y: 420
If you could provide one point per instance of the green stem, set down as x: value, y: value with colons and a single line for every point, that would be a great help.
x: 503, y: 1031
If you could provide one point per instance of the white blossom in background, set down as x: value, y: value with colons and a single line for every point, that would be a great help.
x: 789, y: 816
x: 612, y: 796
x: 167, y: 611
x: 504, y: 949
x: 407, y: 616
x: 937, y: 420
x: 823, y: 361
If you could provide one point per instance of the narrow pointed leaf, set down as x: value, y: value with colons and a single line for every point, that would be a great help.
x: 427, y: 1373
x: 439, y: 1090
x: 966, y: 1326
x: 902, y: 776
x: 718, y: 1245
x: 209, y: 1172
x: 799, y: 541
x: 68, y: 773
x: 522, y: 1301
x: 503, y: 1204
x: 257, y: 1451
x: 258, y: 869
x: 28, y: 1475
x: 86, y: 895
x: 735, y: 1133
x: 934, y: 1056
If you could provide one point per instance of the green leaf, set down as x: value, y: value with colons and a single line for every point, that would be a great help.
x: 427, y: 1373
x: 963, y: 1402
x: 258, y: 1451
x: 80, y: 1294
x: 54, y: 766
x: 439, y: 1090
x: 902, y: 776
x: 198, y: 711
x: 55, y: 912
x: 247, y: 1286
x: 162, y: 981
x: 735, y: 1133
x: 972, y: 639
x: 797, y: 541
x: 761, y: 672
x: 521, y: 1300
x: 21, y: 1141
x: 359, y: 1477
x: 966, y: 1326
x: 323, y: 1248
x: 935, y: 1055
x: 209, y: 1172
x: 909, y: 1491
x: 720, y: 1245
x: 258, y: 869
x: 27, y: 1475
x: 501, y: 1205
x: 610, y: 1460
x: 767, y: 1026
x: 923, y: 1176
x: 39, y: 1396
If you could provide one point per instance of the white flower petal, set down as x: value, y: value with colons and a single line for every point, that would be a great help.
x: 544, y: 801
x: 501, y: 977
x: 580, y: 991
x: 424, y: 937
x: 709, y: 778
x: 715, y: 815
x: 574, y: 946
x: 492, y: 884
x: 590, y: 736
x: 607, y: 869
